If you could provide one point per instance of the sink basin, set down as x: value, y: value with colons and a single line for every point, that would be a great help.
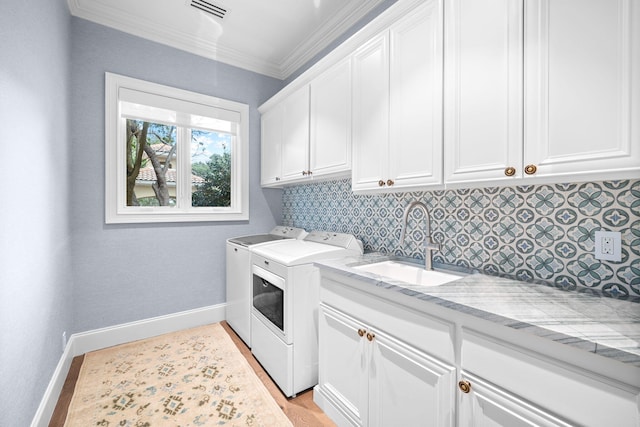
x: 408, y: 273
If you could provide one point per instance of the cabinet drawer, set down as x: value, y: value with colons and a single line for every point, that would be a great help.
x: 430, y: 334
x: 572, y: 393
x: 485, y: 404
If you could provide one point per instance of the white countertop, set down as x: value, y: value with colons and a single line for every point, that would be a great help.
x: 580, y: 318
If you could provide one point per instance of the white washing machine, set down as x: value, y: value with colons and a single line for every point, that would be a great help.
x: 238, y: 310
x: 284, y: 327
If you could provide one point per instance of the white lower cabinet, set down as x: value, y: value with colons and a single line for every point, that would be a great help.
x: 511, y: 386
x: 342, y: 367
x: 407, y: 387
x: 374, y: 379
x: 486, y: 405
x: 386, y: 359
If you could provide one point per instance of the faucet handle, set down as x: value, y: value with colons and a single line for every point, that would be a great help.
x: 431, y: 245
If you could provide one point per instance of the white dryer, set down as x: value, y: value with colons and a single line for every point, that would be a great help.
x: 284, y: 332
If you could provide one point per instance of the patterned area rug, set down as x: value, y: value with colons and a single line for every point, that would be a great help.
x: 196, y: 377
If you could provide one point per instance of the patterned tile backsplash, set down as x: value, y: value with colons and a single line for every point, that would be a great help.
x: 530, y: 232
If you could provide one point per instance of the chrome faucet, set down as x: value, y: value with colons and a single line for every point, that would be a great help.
x: 429, y: 245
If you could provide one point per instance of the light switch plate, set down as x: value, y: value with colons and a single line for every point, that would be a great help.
x: 608, y: 245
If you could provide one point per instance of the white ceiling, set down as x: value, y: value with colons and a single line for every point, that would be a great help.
x: 271, y: 37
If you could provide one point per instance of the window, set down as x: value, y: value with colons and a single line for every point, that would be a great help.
x: 173, y: 155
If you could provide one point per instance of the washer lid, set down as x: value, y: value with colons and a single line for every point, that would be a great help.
x: 255, y: 239
x: 278, y: 233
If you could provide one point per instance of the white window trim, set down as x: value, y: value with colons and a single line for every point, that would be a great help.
x: 116, y: 210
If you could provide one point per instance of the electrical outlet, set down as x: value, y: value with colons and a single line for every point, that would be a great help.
x: 608, y: 245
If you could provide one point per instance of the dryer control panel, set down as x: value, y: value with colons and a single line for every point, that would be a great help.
x: 343, y: 240
x: 292, y: 232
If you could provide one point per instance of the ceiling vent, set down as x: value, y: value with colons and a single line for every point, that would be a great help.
x: 210, y: 8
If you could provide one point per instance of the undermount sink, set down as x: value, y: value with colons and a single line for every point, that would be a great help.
x: 408, y: 273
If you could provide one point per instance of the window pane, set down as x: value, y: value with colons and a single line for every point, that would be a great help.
x: 210, y: 168
x: 151, y: 164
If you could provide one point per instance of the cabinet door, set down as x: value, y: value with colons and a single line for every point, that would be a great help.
x: 370, y: 113
x: 330, y: 139
x: 238, y: 310
x: 522, y: 375
x: 483, y: 89
x: 271, y: 146
x: 582, y: 96
x: 487, y: 406
x: 407, y: 387
x: 295, y: 129
x: 415, y: 128
x: 342, y: 363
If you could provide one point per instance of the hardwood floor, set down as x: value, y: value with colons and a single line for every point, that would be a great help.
x: 60, y: 413
x: 301, y: 410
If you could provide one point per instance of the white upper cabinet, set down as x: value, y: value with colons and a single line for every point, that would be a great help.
x: 582, y: 92
x: 330, y: 139
x: 483, y: 89
x: 295, y: 135
x: 370, y: 113
x: 307, y: 134
x: 580, y: 112
x: 271, y: 147
x: 467, y: 93
x: 285, y: 140
x: 415, y: 112
x: 397, y: 105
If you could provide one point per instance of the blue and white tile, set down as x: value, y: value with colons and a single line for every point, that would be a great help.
x: 528, y: 231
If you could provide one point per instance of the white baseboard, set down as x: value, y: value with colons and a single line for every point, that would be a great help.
x: 51, y: 394
x: 333, y: 409
x: 97, y: 339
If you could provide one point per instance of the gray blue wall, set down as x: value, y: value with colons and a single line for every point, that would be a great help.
x: 35, y: 272
x: 61, y: 267
x: 124, y: 273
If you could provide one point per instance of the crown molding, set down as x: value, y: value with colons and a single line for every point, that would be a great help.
x: 139, y: 26
x: 380, y: 23
x: 331, y: 30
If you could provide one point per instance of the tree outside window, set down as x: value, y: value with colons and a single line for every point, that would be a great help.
x: 151, y: 166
